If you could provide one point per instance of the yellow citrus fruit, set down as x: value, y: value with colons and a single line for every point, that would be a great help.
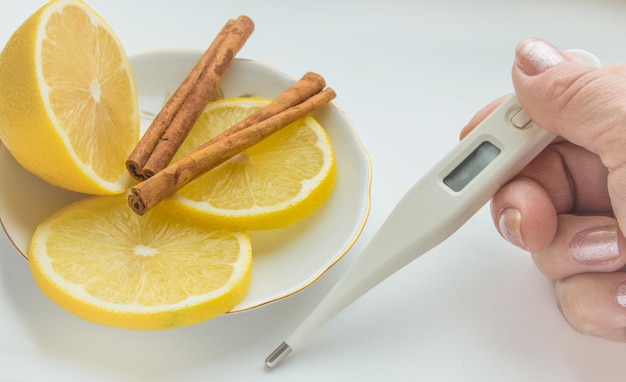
x: 276, y: 182
x: 99, y: 260
x: 68, y: 104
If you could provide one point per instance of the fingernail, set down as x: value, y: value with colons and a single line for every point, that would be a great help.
x: 620, y: 294
x: 595, y: 245
x: 510, y: 222
x: 534, y: 57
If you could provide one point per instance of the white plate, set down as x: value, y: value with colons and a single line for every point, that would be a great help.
x: 285, y: 260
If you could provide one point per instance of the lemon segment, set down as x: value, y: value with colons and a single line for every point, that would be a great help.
x: 68, y: 105
x: 99, y: 260
x: 275, y: 183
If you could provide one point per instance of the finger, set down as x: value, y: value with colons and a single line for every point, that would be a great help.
x: 575, y: 178
x: 488, y: 109
x: 594, y: 303
x: 618, y: 69
x: 582, y: 244
x: 524, y: 214
x: 564, y: 178
x: 584, y: 105
x: 481, y: 115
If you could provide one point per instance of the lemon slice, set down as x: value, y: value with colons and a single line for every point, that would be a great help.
x: 68, y: 105
x: 277, y: 182
x: 99, y: 260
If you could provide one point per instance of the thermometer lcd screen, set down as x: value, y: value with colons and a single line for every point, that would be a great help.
x: 471, y: 166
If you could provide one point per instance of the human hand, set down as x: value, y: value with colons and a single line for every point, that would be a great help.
x: 567, y: 206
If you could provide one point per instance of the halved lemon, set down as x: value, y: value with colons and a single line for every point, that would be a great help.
x: 99, y: 260
x: 68, y: 105
x: 277, y: 182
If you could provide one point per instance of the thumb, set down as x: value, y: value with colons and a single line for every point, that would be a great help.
x: 584, y: 105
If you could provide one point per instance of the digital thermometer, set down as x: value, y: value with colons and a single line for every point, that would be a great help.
x: 447, y: 196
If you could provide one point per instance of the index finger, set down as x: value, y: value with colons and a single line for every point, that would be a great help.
x: 481, y: 115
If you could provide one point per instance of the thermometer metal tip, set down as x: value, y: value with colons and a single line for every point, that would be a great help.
x: 445, y: 197
x: 280, y: 353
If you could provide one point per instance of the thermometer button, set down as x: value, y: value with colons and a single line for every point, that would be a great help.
x: 521, y: 119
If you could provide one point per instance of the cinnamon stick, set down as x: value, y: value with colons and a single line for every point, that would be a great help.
x: 153, y: 190
x: 307, y: 86
x: 172, y: 124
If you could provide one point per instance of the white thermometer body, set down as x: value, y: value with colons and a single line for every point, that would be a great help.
x: 436, y: 206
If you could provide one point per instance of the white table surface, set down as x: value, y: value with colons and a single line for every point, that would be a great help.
x: 410, y: 74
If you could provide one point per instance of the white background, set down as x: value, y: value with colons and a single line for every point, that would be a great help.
x: 410, y: 74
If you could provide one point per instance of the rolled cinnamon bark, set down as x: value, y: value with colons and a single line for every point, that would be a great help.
x: 172, y: 124
x: 153, y: 190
